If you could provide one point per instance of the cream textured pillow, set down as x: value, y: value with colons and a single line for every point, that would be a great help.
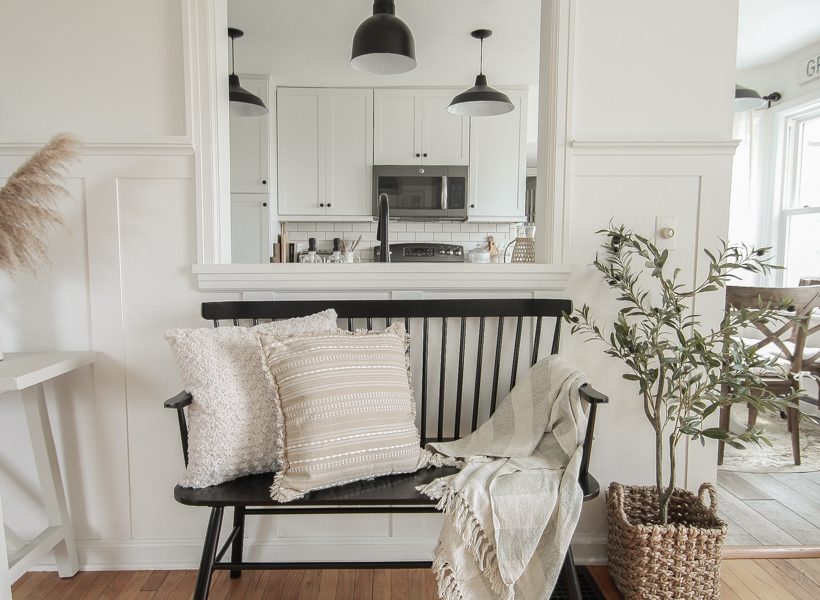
x: 231, y: 423
x: 347, y: 406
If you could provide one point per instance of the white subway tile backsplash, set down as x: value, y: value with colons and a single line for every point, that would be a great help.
x: 466, y: 234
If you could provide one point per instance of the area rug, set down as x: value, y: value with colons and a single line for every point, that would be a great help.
x: 778, y: 458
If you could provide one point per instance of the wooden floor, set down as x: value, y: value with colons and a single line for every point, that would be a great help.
x: 774, y: 509
x: 741, y: 580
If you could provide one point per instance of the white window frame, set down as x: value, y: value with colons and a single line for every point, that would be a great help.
x: 788, y: 121
x: 778, y: 173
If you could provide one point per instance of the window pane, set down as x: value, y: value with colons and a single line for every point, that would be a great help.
x: 802, y: 247
x: 808, y: 179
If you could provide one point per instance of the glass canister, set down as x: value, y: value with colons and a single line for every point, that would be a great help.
x: 524, y: 244
x: 480, y: 254
x: 336, y: 257
x: 311, y: 256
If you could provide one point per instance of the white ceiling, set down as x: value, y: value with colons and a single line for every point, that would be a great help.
x: 769, y: 30
x: 307, y: 42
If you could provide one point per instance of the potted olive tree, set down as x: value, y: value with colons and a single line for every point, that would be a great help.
x: 665, y: 542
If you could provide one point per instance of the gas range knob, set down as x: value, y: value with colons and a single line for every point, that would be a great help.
x: 450, y: 252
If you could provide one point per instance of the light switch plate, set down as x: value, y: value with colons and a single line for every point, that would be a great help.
x: 666, y: 233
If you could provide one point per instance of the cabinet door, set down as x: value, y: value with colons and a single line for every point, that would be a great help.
x: 446, y: 137
x: 249, y: 143
x: 250, y: 228
x: 349, y: 152
x: 300, y: 151
x: 498, y: 163
x: 397, y: 127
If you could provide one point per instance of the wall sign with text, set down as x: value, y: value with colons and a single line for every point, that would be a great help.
x: 809, y: 69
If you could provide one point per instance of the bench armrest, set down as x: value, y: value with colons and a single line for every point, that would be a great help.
x: 179, y: 401
x: 591, y: 395
x: 594, y: 398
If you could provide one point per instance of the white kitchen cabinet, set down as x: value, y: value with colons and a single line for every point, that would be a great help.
x: 325, y: 152
x: 498, y: 157
x: 413, y: 127
x: 250, y: 137
x: 250, y: 228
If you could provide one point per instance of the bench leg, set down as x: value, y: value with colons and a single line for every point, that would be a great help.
x: 236, y: 547
x: 571, y: 577
x: 209, y: 550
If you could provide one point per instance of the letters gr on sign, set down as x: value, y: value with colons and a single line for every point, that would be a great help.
x: 809, y: 69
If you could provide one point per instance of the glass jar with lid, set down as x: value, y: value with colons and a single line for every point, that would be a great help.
x: 311, y: 257
x: 336, y: 258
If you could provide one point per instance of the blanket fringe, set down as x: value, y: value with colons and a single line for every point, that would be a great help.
x: 448, y: 588
x: 434, y: 459
x: 469, y: 528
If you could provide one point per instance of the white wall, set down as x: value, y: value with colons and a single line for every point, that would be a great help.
x: 651, y: 111
x: 782, y: 76
x: 100, y: 69
x: 122, y: 275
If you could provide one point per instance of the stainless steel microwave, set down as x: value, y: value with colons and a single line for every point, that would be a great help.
x: 422, y: 192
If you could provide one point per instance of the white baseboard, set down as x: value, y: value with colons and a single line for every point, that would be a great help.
x: 98, y: 555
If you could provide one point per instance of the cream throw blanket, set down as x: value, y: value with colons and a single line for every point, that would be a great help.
x: 514, y: 505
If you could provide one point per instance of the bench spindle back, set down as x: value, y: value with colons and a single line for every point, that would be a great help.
x: 441, y: 401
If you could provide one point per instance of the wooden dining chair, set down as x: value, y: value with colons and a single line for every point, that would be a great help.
x: 813, y: 366
x: 786, y: 340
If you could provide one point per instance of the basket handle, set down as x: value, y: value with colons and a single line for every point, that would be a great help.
x: 616, y: 498
x: 713, y: 502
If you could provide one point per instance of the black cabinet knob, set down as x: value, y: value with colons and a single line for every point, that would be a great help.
x: 328, y: 204
x: 425, y: 155
x: 264, y: 204
x: 417, y: 155
x: 322, y: 204
x: 472, y: 206
x: 264, y: 182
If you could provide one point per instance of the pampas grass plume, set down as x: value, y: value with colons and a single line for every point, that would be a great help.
x: 29, y: 205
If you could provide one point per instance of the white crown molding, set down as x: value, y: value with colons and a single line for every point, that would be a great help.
x: 383, y: 277
x: 171, y: 146
x: 653, y: 148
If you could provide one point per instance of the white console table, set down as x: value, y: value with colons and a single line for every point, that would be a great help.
x: 26, y: 372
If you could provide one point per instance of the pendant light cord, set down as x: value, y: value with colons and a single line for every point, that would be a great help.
x: 233, y: 55
x: 481, y: 66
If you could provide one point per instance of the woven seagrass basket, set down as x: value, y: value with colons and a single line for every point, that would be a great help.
x: 678, y: 561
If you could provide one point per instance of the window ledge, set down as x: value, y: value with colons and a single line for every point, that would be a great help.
x: 383, y: 277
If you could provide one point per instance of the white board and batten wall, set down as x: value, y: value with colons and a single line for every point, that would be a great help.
x: 121, y: 273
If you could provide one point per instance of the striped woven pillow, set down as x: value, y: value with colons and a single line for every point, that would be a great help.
x: 347, y: 406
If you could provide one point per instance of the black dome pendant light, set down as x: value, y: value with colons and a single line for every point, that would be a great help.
x: 243, y: 103
x: 481, y: 100
x: 383, y: 44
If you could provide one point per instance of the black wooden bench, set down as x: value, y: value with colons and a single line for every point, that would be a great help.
x: 448, y: 416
